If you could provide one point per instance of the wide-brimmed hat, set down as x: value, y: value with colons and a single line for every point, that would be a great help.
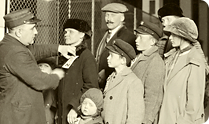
x: 150, y: 28
x: 19, y: 17
x: 183, y: 27
x: 79, y: 25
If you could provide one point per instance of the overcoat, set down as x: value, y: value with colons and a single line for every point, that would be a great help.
x: 184, y: 90
x: 81, y: 76
x: 22, y: 82
x: 150, y: 68
x: 123, y: 99
x: 102, y: 53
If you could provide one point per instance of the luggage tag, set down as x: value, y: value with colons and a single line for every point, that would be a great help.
x: 69, y: 62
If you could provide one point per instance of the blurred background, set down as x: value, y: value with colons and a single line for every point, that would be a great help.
x: 54, y: 13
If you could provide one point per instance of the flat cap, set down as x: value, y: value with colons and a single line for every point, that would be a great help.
x: 183, y: 27
x: 115, y: 7
x: 19, y: 17
x: 122, y: 48
x: 79, y: 25
x: 170, y: 9
x: 150, y: 28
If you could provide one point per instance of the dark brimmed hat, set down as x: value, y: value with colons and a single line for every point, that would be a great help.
x: 51, y: 61
x: 115, y: 7
x: 183, y: 27
x: 19, y: 17
x: 122, y: 48
x: 170, y: 9
x: 150, y: 28
x: 79, y: 25
x: 95, y: 95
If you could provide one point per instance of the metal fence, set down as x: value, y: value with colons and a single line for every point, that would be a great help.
x: 54, y: 13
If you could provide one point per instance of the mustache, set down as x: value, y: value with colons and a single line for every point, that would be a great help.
x: 109, y: 22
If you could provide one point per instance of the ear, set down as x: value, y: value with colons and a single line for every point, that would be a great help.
x: 82, y: 35
x: 18, y: 32
x: 123, y: 60
x: 153, y: 41
x: 122, y: 19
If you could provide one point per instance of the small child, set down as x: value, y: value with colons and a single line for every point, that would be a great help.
x: 47, y: 65
x: 91, y: 103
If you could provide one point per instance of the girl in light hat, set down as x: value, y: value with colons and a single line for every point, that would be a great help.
x: 185, y: 76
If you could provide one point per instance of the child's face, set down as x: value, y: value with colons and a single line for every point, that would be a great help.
x: 113, y: 60
x: 46, y: 68
x: 88, y: 107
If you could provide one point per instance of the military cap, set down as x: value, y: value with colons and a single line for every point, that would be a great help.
x: 79, y: 25
x: 150, y: 28
x: 115, y: 7
x: 170, y: 9
x: 19, y: 17
x: 122, y: 48
x: 183, y: 27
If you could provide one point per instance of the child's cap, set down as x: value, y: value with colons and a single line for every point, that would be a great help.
x: 51, y: 61
x: 95, y: 95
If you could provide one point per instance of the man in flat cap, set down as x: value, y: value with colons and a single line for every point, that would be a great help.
x: 123, y: 93
x: 22, y: 81
x: 150, y: 68
x: 81, y: 75
x: 114, y: 18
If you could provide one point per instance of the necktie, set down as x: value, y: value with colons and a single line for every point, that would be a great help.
x: 108, y: 36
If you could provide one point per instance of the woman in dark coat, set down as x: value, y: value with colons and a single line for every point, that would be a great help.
x: 80, y: 75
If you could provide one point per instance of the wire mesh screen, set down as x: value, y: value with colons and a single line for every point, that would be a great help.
x: 52, y: 13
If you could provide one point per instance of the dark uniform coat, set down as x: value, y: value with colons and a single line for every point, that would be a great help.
x: 22, y: 82
x: 81, y: 76
x: 102, y: 53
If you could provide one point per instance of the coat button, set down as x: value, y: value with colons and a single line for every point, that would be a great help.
x: 202, y: 115
x: 107, y: 122
x: 111, y: 97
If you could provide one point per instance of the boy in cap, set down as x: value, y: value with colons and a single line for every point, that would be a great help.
x: 114, y: 18
x: 21, y: 79
x: 91, y: 103
x: 47, y: 65
x: 81, y: 75
x: 123, y: 93
x: 185, y: 76
x: 150, y: 68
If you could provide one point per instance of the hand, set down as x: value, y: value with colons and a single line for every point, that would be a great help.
x: 72, y: 116
x: 66, y: 49
x: 59, y: 72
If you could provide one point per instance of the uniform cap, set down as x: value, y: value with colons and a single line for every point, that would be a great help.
x: 115, y: 7
x: 19, y: 17
x: 95, y: 95
x: 122, y: 48
x: 79, y: 25
x: 183, y: 27
x: 150, y: 28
